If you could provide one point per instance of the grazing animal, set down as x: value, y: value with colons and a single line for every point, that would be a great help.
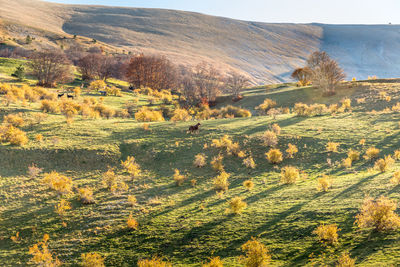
x: 104, y: 93
x: 70, y: 96
x: 194, y: 128
x: 60, y: 95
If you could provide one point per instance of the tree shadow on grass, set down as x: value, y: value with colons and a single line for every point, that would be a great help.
x: 355, y: 187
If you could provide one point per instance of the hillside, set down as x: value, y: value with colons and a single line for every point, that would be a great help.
x: 188, y: 224
x: 266, y: 52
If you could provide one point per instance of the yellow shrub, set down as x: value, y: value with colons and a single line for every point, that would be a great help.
x: 371, y: 153
x: 237, y: 205
x: 221, y: 182
x: 353, y: 155
x: 384, y: 164
x: 85, y: 195
x: 276, y: 129
x: 104, y: 111
x: 327, y: 233
x: 13, y: 135
x: 132, y: 200
x: 289, y: 175
x: 179, y: 178
x: 131, y: 167
x: 42, y: 256
x: 181, y: 114
x: 266, y: 105
x: 109, y: 178
x: 324, y: 183
x: 274, y: 156
x: 346, y: 103
x: 214, y: 262
x: 362, y: 142
x: 257, y: 255
x: 77, y: 92
x: 154, y: 262
x: 216, y: 163
x: 147, y: 115
x: 378, y: 214
x: 14, y: 119
x: 200, y: 161
x: 114, y: 91
x: 62, y: 207
x: 347, y: 162
x: 292, y: 149
x: 249, y: 163
x: 396, y: 155
x: 132, y: 223
x: 58, y: 182
x: 248, y: 184
x: 332, y: 147
x: 92, y: 259
x: 39, y: 137
x: 346, y: 261
x: 269, y: 138
x: 49, y: 106
x: 395, y: 178
x: 98, y: 85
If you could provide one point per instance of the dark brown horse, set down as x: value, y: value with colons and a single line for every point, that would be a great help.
x: 194, y: 128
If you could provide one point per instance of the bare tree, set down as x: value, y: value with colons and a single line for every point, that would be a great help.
x: 327, y: 76
x: 50, y: 67
x: 152, y: 71
x: 208, y: 81
x: 97, y: 66
x: 236, y: 83
x: 303, y: 75
x: 325, y: 72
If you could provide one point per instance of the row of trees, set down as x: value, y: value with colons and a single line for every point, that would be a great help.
x: 202, y: 83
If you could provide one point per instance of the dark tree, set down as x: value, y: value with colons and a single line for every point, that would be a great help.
x: 50, y: 67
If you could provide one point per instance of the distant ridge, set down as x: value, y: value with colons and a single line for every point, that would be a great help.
x: 266, y: 52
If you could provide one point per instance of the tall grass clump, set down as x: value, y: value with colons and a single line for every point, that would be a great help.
x: 332, y: 147
x: 85, y: 195
x: 346, y: 261
x: 217, y: 164
x: 324, y: 183
x: 249, y: 162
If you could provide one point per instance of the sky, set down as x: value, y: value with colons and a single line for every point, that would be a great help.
x: 294, y: 11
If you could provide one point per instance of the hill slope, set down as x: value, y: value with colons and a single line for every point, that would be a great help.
x: 267, y: 52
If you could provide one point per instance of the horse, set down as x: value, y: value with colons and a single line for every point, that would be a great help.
x: 70, y: 96
x: 194, y: 128
x: 61, y: 95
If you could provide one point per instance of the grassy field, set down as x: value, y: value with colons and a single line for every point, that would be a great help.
x: 189, y: 224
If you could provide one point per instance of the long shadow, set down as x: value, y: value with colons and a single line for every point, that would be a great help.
x: 354, y: 187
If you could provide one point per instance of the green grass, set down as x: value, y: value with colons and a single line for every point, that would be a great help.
x: 187, y: 225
